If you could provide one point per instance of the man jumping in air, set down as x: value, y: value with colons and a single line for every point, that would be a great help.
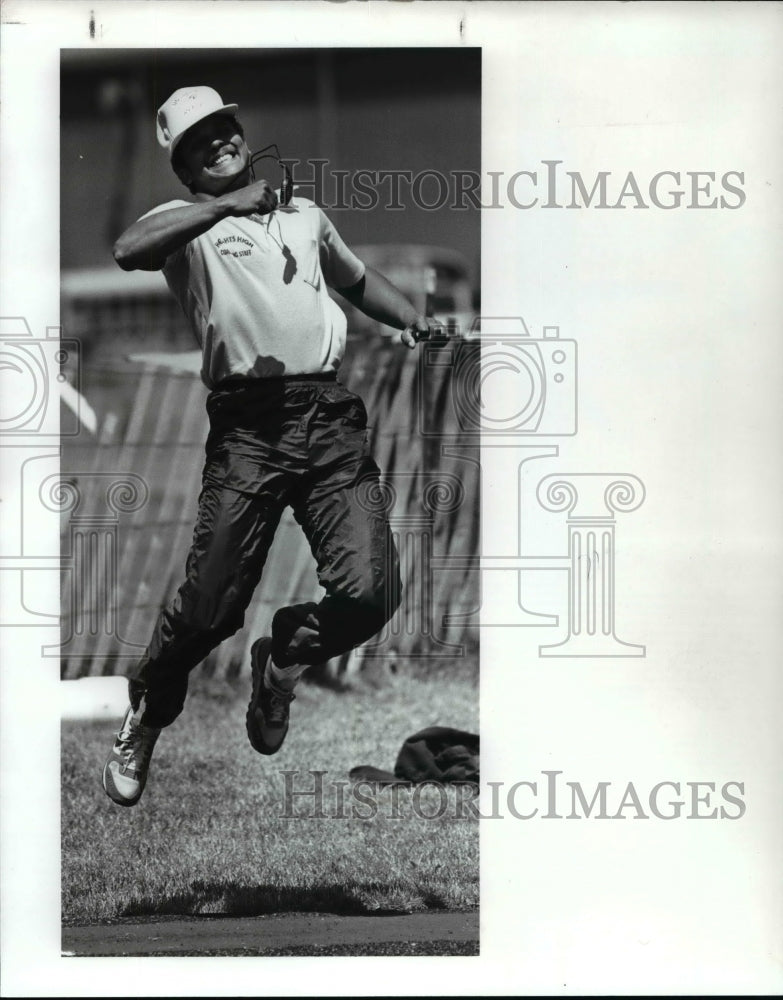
x: 250, y: 270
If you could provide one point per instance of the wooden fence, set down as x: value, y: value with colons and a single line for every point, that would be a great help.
x: 132, y: 506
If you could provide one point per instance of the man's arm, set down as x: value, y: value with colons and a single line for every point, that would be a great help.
x: 379, y: 299
x: 146, y: 244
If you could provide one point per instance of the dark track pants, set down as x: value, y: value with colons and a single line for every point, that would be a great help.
x: 273, y: 443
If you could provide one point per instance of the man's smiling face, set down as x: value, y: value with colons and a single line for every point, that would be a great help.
x: 212, y: 156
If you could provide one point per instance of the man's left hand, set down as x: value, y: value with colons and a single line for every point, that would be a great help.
x: 422, y: 328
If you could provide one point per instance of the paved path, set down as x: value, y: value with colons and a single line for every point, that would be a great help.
x: 280, y: 934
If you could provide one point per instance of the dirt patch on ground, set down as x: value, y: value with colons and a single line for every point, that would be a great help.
x: 283, y: 934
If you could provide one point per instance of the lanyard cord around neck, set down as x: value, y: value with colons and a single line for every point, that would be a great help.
x: 290, y: 261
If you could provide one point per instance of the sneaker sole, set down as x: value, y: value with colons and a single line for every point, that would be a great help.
x: 258, y: 661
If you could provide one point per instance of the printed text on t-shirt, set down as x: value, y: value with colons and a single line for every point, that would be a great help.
x: 234, y: 252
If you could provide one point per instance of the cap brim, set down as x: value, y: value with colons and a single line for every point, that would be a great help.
x: 227, y: 109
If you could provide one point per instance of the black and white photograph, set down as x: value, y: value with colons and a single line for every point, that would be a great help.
x: 391, y: 485
x: 288, y: 522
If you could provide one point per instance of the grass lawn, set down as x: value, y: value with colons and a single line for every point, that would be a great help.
x: 210, y: 835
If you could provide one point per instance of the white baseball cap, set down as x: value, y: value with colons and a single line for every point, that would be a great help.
x: 183, y: 109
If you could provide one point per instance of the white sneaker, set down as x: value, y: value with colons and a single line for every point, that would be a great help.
x: 125, y: 770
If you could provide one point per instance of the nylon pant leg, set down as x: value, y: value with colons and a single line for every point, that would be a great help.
x: 351, y: 541
x: 231, y: 541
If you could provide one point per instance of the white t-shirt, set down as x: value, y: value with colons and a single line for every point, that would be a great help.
x: 254, y: 291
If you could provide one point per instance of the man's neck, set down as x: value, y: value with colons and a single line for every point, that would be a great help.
x: 240, y: 181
